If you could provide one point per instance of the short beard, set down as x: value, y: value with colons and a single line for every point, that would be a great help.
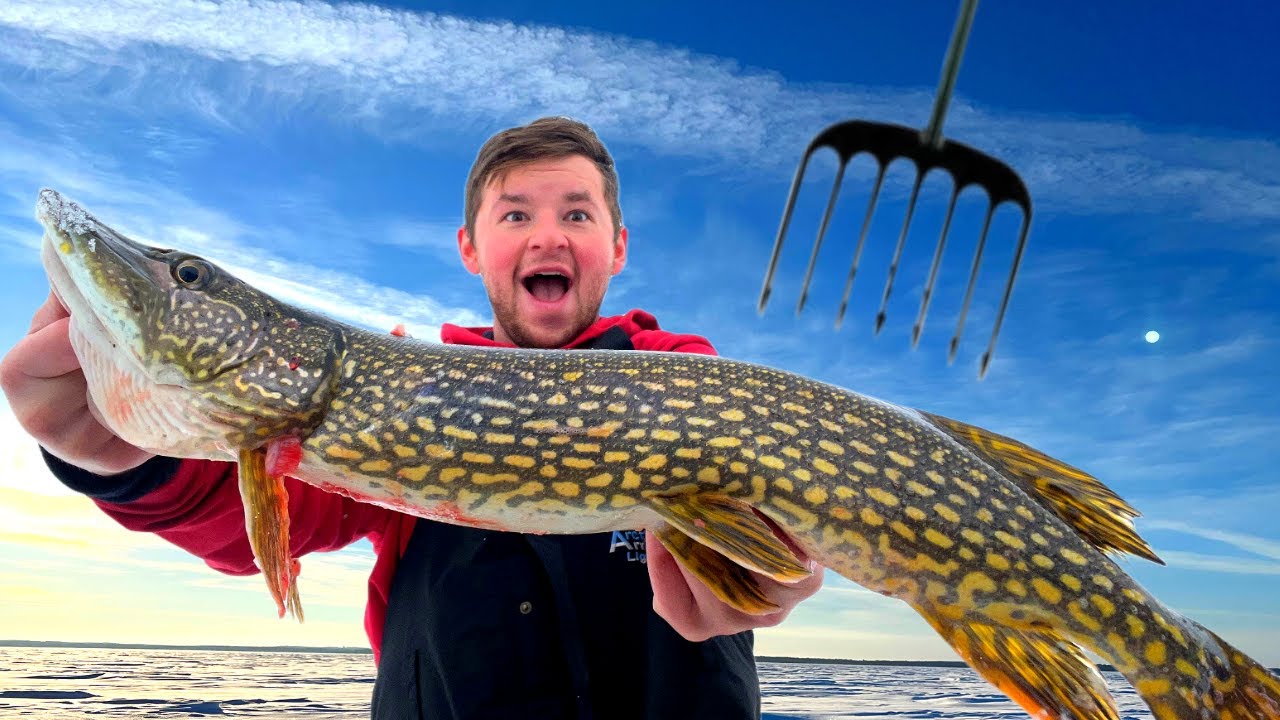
x: 504, y: 315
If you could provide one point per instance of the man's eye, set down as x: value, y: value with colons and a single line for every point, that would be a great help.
x: 578, y: 216
x: 515, y: 216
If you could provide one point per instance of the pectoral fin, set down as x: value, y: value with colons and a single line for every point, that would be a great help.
x: 729, y: 581
x: 732, y: 529
x: 266, y: 521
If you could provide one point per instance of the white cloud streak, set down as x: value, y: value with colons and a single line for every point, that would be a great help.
x: 384, y: 68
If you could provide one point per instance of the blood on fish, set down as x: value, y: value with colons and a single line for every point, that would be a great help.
x: 283, y: 456
x: 444, y: 512
x: 399, y: 330
x: 294, y: 362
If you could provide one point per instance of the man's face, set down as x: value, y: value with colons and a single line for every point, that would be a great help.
x: 544, y: 248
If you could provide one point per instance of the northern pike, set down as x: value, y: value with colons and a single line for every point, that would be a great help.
x: 1004, y: 550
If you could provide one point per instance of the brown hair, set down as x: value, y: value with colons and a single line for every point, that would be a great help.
x: 544, y: 138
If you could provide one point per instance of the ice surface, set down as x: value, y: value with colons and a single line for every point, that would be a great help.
x: 78, y: 684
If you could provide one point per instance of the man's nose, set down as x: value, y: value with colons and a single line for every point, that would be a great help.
x: 546, y: 234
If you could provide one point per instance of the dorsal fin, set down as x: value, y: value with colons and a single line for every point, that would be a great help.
x: 1091, y: 508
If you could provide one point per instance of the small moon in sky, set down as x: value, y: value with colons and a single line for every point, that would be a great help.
x: 1152, y: 336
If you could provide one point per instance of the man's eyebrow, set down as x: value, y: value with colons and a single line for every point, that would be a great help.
x: 577, y: 196
x: 515, y: 199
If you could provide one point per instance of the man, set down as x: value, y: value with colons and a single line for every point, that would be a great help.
x: 464, y: 623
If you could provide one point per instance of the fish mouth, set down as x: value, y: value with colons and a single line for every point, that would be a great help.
x: 99, y: 276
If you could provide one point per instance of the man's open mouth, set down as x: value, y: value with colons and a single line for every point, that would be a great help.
x: 547, y: 287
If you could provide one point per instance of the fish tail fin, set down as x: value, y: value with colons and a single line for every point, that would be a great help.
x: 1047, y: 675
x: 266, y: 515
x: 1186, y: 671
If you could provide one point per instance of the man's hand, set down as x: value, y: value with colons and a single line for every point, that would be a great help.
x: 42, y: 378
x: 697, y: 614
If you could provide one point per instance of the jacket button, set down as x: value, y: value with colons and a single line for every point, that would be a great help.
x: 526, y: 607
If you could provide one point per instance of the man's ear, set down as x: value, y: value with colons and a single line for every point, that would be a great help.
x: 467, y: 250
x: 620, y: 251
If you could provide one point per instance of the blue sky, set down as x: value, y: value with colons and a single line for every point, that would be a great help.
x: 321, y: 150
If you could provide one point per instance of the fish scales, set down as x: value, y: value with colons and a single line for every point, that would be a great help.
x: 1002, y: 549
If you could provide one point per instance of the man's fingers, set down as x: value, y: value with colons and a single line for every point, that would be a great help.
x: 45, y: 353
x: 51, y: 310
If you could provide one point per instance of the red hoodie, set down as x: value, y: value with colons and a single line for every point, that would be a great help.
x: 200, y: 510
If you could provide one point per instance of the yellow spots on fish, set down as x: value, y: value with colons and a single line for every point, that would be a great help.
x: 985, y: 515
x: 593, y: 501
x: 1103, y: 582
x: 900, y: 459
x: 740, y: 393
x: 621, y: 501
x: 586, y: 447
x: 845, y: 492
x: 653, y: 462
x: 414, y: 474
x: 449, y: 474
x: 403, y: 451
x: 599, y: 481
x: 1024, y: 513
x: 816, y: 495
x: 973, y: 536
x: 1137, y: 628
x: 493, y: 438
x: 915, y: 513
x: 543, y: 425
x: 938, y: 539
x: 733, y: 415
x: 1038, y: 539
x: 630, y: 479
x: 1133, y: 595
x: 480, y: 478
x: 794, y: 408
x: 566, y: 489
x: 369, y: 440
x: 830, y: 426
x: 1071, y: 581
x: 65, y: 247
x: 548, y: 471
x: 1187, y: 668
x: 1173, y: 630
x: 520, y: 461
x: 825, y: 466
x: 882, y: 497
x: 999, y: 562
x: 880, y: 438
x: 724, y: 441
x: 685, y: 382
x: 1046, y: 590
x: 557, y: 400
x: 841, y: 513
x: 1082, y: 617
x: 1013, y: 542
x: 578, y: 463
x: 946, y: 513
x: 903, y: 529
x: 784, y: 485
x: 1041, y: 561
x: 709, y: 476
x: 1105, y: 606
x: 862, y: 447
x: 831, y: 447
x: 772, y: 462
x: 560, y: 439
x: 678, y: 403
x: 1016, y: 587
x: 477, y: 458
x: 616, y: 407
x: 920, y: 489
x: 713, y: 400
x: 935, y: 477
x: 784, y: 428
x: 457, y: 432
x: 375, y: 466
x: 344, y: 453
x: 1153, y: 686
x: 664, y: 435
x: 438, y: 452
x: 871, y: 517
x: 572, y: 376
x: 616, y: 456
x: 865, y: 468
x: 1074, y: 557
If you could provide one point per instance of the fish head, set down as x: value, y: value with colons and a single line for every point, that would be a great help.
x: 166, y: 337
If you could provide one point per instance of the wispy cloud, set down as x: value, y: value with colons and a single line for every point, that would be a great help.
x: 377, y: 68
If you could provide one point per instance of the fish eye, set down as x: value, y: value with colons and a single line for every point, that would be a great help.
x: 192, y: 272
